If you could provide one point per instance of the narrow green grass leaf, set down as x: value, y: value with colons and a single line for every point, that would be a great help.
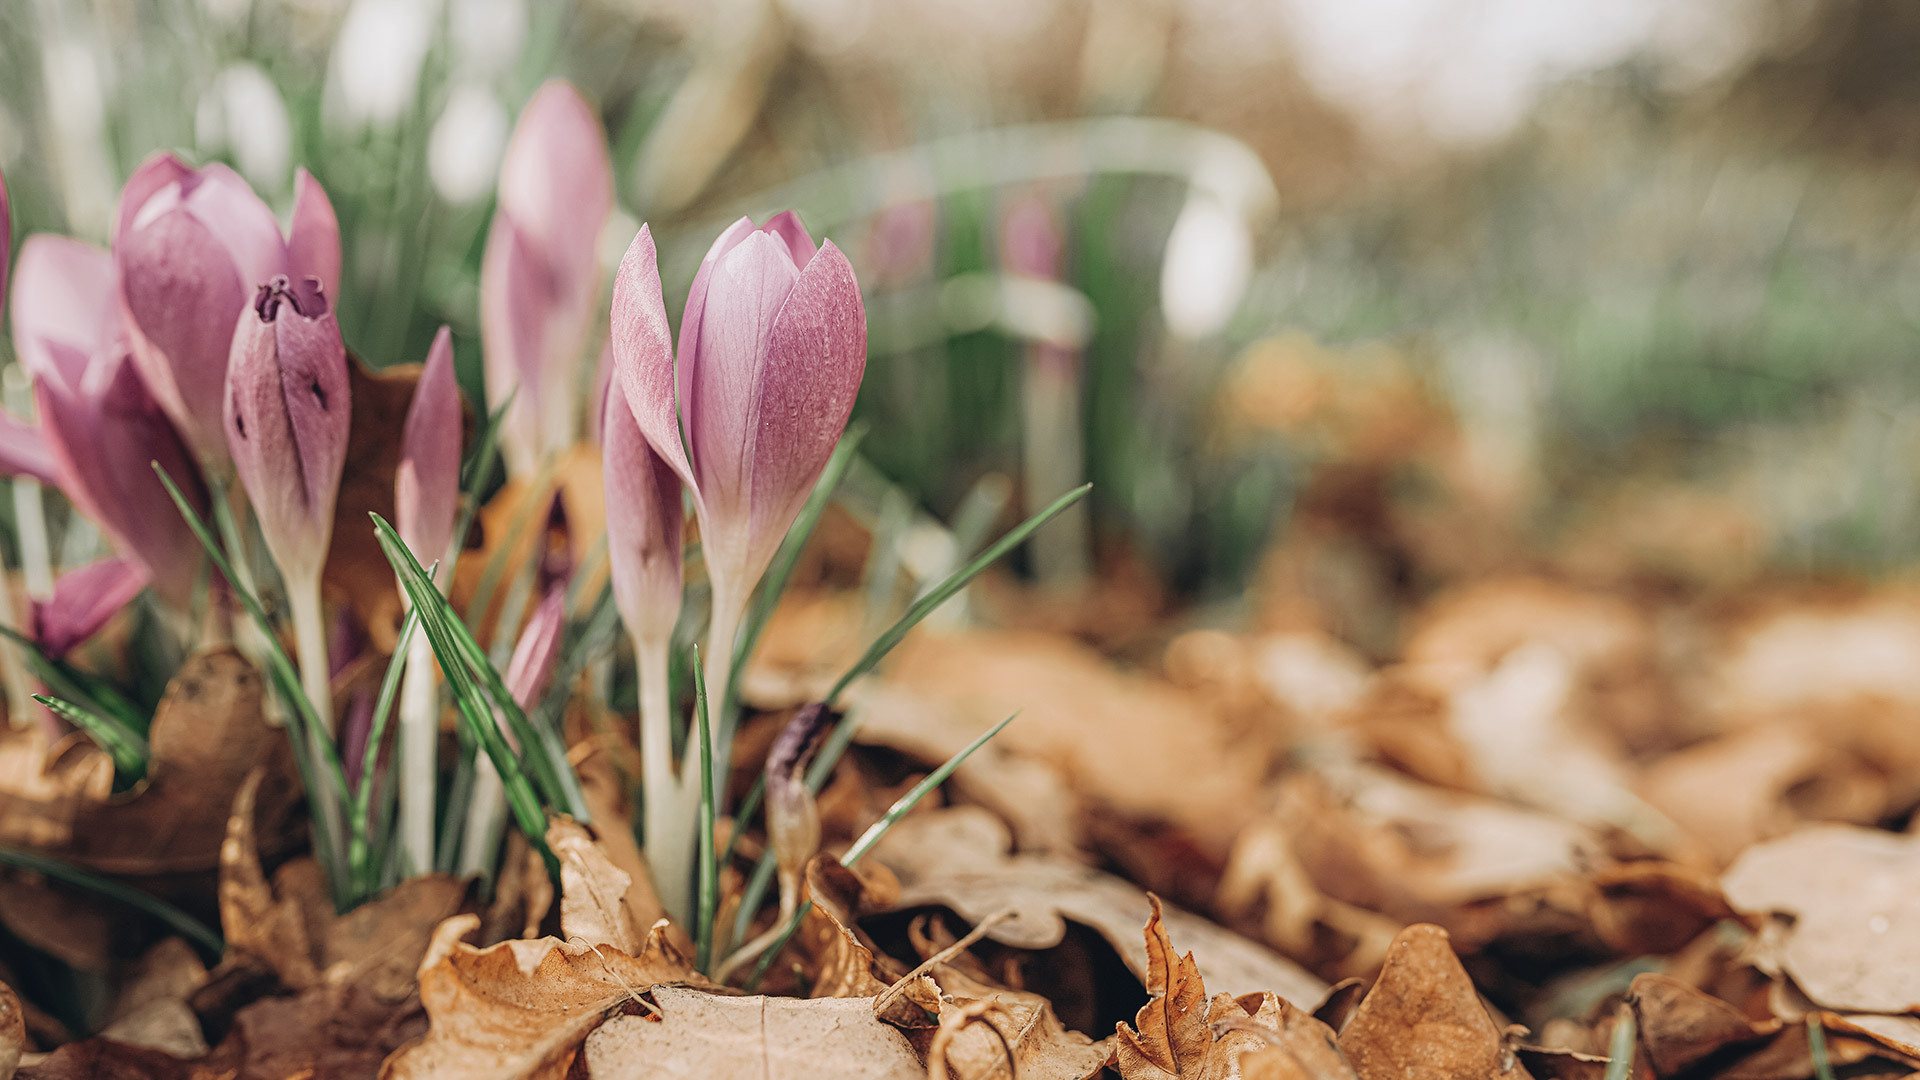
x: 439, y: 622
x: 709, y: 883
x: 358, y: 851
x: 127, y: 748
x: 873, y: 835
x: 77, y: 686
x: 195, y: 931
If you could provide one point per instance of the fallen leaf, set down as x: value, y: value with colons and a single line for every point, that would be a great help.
x: 152, y: 1010
x: 519, y: 1009
x: 1732, y: 792
x: 13, y: 1032
x: 1423, y: 1019
x: 593, y: 891
x: 959, y: 858
x: 698, y: 1034
x: 1854, y: 897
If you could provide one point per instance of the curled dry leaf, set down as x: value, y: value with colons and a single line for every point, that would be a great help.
x: 151, y: 1010
x: 959, y: 858
x: 519, y: 1009
x: 43, y: 788
x: 696, y: 1034
x: 1423, y: 1018
x: 1853, y: 896
x: 13, y: 1032
x: 1684, y: 1032
x: 1181, y: 1033
x: 593, y: 891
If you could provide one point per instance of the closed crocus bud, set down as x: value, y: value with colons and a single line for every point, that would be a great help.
x: 191, y: 247
x: 540, y: 276
x: 287, y: 416
x: 538, y: 648
x: 82, y: 602
x: 427, y: 482
x: 644, y: 523
x: 100, y: 427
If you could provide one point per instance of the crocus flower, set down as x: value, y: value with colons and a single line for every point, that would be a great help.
x: 191, y: 247
x: 287, y: 416
x: 538, y: 649
x: 100, y: 427
x: 540, y: 276
x: 643, y: 527
x: 82, y: 602
x: 773, y: 346
x: 427, y: 481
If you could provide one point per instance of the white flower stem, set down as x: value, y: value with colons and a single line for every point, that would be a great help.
x: 310, y: 640
x: 728, y: 610
x: 419, y: 753
x: 667, y: 828
x: 486, y: 819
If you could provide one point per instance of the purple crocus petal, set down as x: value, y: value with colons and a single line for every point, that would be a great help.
x: 602, y: 384
x: 694, y: 315
x: 746, y: 291
x: 313, y: 244
x: 23, y: 452
x: 816, y: 357
x: 83, y: 601
x: 556, y: 178
x: 644, y: 526
x: 158, y: 172
x: 539, y: 646
x: 1031, y: 244
x: 102, y: 440
x: 643, y: 354
x: 287, y: 416
x: 427, y: 481
x: 518, y: 296
x: 786, y: 225
x: 243, y: 223
x: 181, y: 294
x: 63, y: 307
x: 6, y: 240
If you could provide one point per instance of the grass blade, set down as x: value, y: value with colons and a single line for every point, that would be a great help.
x: 127, y: 748
x: 872, y: 836
x: 80, y: 687
x: 1817, y: 1048
x: 357, y: 849
x: 1620, y: 1046
x: 439, y: 622
x: 709, y: 884
x: 195, y: 931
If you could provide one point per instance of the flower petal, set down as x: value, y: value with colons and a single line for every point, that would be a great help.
x: 539, y: 646
x: 63, y: 307
x: 313, y: 245
x: 644, y: 527
x: 427, y: 480
x: 556, y: 178
x: 643, y: 354
x: 158, y: 172
x: 816, y: 357
x: 238, y: 218
x: 694, y: 314
x: 23, y: 451
x: 83, y: 601
x: 786, y: 225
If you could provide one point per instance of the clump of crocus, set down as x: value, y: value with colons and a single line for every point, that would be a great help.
x: 644, y: 524
x: 540, y: 276
x: 100, y: 427
x: 287, y: 417
x: 773, y: 346
x: 191, y: 247
x: 426, y: 503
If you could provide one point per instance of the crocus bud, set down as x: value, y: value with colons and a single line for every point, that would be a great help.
x: 540, y: 276
x: 427, y: 482
x: 538, y: 648
x: 644, y: 522
x: 793, y: 822
x: 191, y: 247
x: 82, y: 602
x: 100, y: 427
x: 773, y: 345
x: 287, y: 416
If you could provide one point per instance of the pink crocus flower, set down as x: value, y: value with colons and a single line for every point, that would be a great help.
x: 287, y: 416
x: 644, y: 521
x: 427, y: 481
x: 192, y: 246
x: 100, y: 427
x: 540, y: 276
x: 83, y: 600
x: 773, y: 345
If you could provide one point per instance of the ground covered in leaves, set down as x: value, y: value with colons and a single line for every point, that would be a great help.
x: 1438, y: 798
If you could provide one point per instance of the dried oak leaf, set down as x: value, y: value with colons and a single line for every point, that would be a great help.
x: 1423, y: 1020
x: 1023, y: 1024
x: 1854, y: 898
x: 696, y: 1034
x: 1181, y: 1033
x: 959, y: 858
x: 519, y: 1009
x: 1683, y: 1031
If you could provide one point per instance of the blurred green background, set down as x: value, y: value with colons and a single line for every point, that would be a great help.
x: 1607, y: 274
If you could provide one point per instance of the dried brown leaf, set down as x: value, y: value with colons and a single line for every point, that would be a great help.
x: 519, y: 1009
x: 959, y: 858
x: 709, y: 1035
x: 1423, y: 1020
x: 13, y: 1032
